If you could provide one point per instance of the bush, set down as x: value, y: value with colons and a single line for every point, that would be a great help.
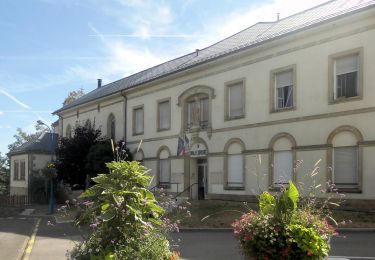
x: 283, y: 230
x: 125, y: 219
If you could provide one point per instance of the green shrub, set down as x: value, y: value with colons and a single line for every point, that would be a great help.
x: 125, y: 219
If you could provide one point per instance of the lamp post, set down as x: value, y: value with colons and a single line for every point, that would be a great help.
x: 51, y: 205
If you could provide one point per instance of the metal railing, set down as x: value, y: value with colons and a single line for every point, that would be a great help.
x: 165, y: 185
x: 190, y: 188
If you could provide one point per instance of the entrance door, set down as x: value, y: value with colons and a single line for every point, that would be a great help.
x: 202, y: 178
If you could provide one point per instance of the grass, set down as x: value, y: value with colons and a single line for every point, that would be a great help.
x: 222, y: 213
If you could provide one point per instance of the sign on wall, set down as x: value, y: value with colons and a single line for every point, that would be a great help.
x: 198, y: 150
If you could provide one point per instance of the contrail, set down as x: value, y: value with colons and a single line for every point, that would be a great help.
x: 14, y: 99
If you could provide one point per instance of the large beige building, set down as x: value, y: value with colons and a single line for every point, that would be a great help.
x: 255, y: 110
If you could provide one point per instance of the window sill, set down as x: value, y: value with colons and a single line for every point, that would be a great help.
x: 163, y: 129
x: 277, y: 110
x: 347, y: 190
x: 234, y: 188
x: 344, y: 100
x: 230, y: 118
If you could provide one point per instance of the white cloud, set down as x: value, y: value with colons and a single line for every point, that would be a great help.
x: 7, y: 94
x: 1, y: 113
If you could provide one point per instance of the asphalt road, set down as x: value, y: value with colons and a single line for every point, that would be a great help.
x: 53, y: 241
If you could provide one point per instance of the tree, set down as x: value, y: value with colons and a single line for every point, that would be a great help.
x: 72, y: 155
x: 23, y: 137
x: 4, y: 175
x: 73, y: 95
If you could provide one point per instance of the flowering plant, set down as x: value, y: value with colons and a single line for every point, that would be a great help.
x: 282, y: 229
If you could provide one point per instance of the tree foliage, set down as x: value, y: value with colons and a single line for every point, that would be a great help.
x: 84, y: 155
x: 4, y: 175
x: 23, y: 137
x: 73, y: 95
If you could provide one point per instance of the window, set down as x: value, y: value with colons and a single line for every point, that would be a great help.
x: 165, y: 171
x: 345, y: 166
x: 282, y: 158
x: 68, y: 131
x: 235, y: 170
x: 198, y: 113
x: 16, y: 171
x: 345, y: 75
x: 344, y: 159
x: 283, y: 88
x: 111, y: 127
x: 23, y: 170
x: 138, y: 117
x: 283, y: 167
x: 164, y: 167
x: 164, y: 117
x: 235, y: 100
x: 234, y: 165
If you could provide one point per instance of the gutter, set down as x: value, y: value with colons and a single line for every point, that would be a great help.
x: 125, y: 112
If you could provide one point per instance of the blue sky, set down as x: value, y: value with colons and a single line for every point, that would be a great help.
x: 51, y: 47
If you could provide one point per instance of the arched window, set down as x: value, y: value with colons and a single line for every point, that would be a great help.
x: 344, y: 158
x: 164, y: 167
x: 111, y: 127
x: 234, y: 165
x: 282, y: 160
x: 68, y: 131
x: 196, y: 105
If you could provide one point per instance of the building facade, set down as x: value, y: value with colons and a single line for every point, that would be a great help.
x: 255, y: 110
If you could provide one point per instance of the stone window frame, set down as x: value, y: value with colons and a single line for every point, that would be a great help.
x: 190, y: 93
x: 359, y: 136
x: 164, y: 100
x: 16, y: 169
x: 111, y: 118
x: 271, y: 145
x: 158, y: 172
x: 22, y: 175
x: 68, y: 131
x: 226, y: 148
x: 228, y: 85
x: 133, y: 119
x: 272, y: 104
x: 331, y: 77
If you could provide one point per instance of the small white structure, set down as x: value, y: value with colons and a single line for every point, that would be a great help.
x: 30, y: 158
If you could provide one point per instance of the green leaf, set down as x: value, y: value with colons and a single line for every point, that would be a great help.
x: 266, y: 203
x: 293, y: 194
x: 105, y: 206
x: 108, y: 215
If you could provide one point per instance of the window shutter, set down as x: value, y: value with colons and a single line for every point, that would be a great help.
x: 235, y: 100
x: 164, y: 115
x: 347, y: 64
x: 235, y: 170
x: 139, y: 120
x: 165, y: 171
x: 284, y: 79
x: 283, y: 167
x: 204, y: 109
x: 345, y: 165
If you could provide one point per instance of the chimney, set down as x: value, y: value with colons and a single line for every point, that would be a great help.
x: 99, y: 83
x: 278, y: 16
x: 196, y: 52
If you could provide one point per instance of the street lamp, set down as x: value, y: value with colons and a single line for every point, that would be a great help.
x: 52, y: 194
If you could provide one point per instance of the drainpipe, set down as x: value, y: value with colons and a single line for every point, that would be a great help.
x: 125, y: 113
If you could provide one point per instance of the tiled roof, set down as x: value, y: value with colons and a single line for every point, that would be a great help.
x: 254, y: 35
x: 40, y: 145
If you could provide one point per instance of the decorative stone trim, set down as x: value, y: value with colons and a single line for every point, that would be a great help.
x: 271, y: 157
x: 225, y: 175
x: 359, y: 137
x: 331, y: 76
